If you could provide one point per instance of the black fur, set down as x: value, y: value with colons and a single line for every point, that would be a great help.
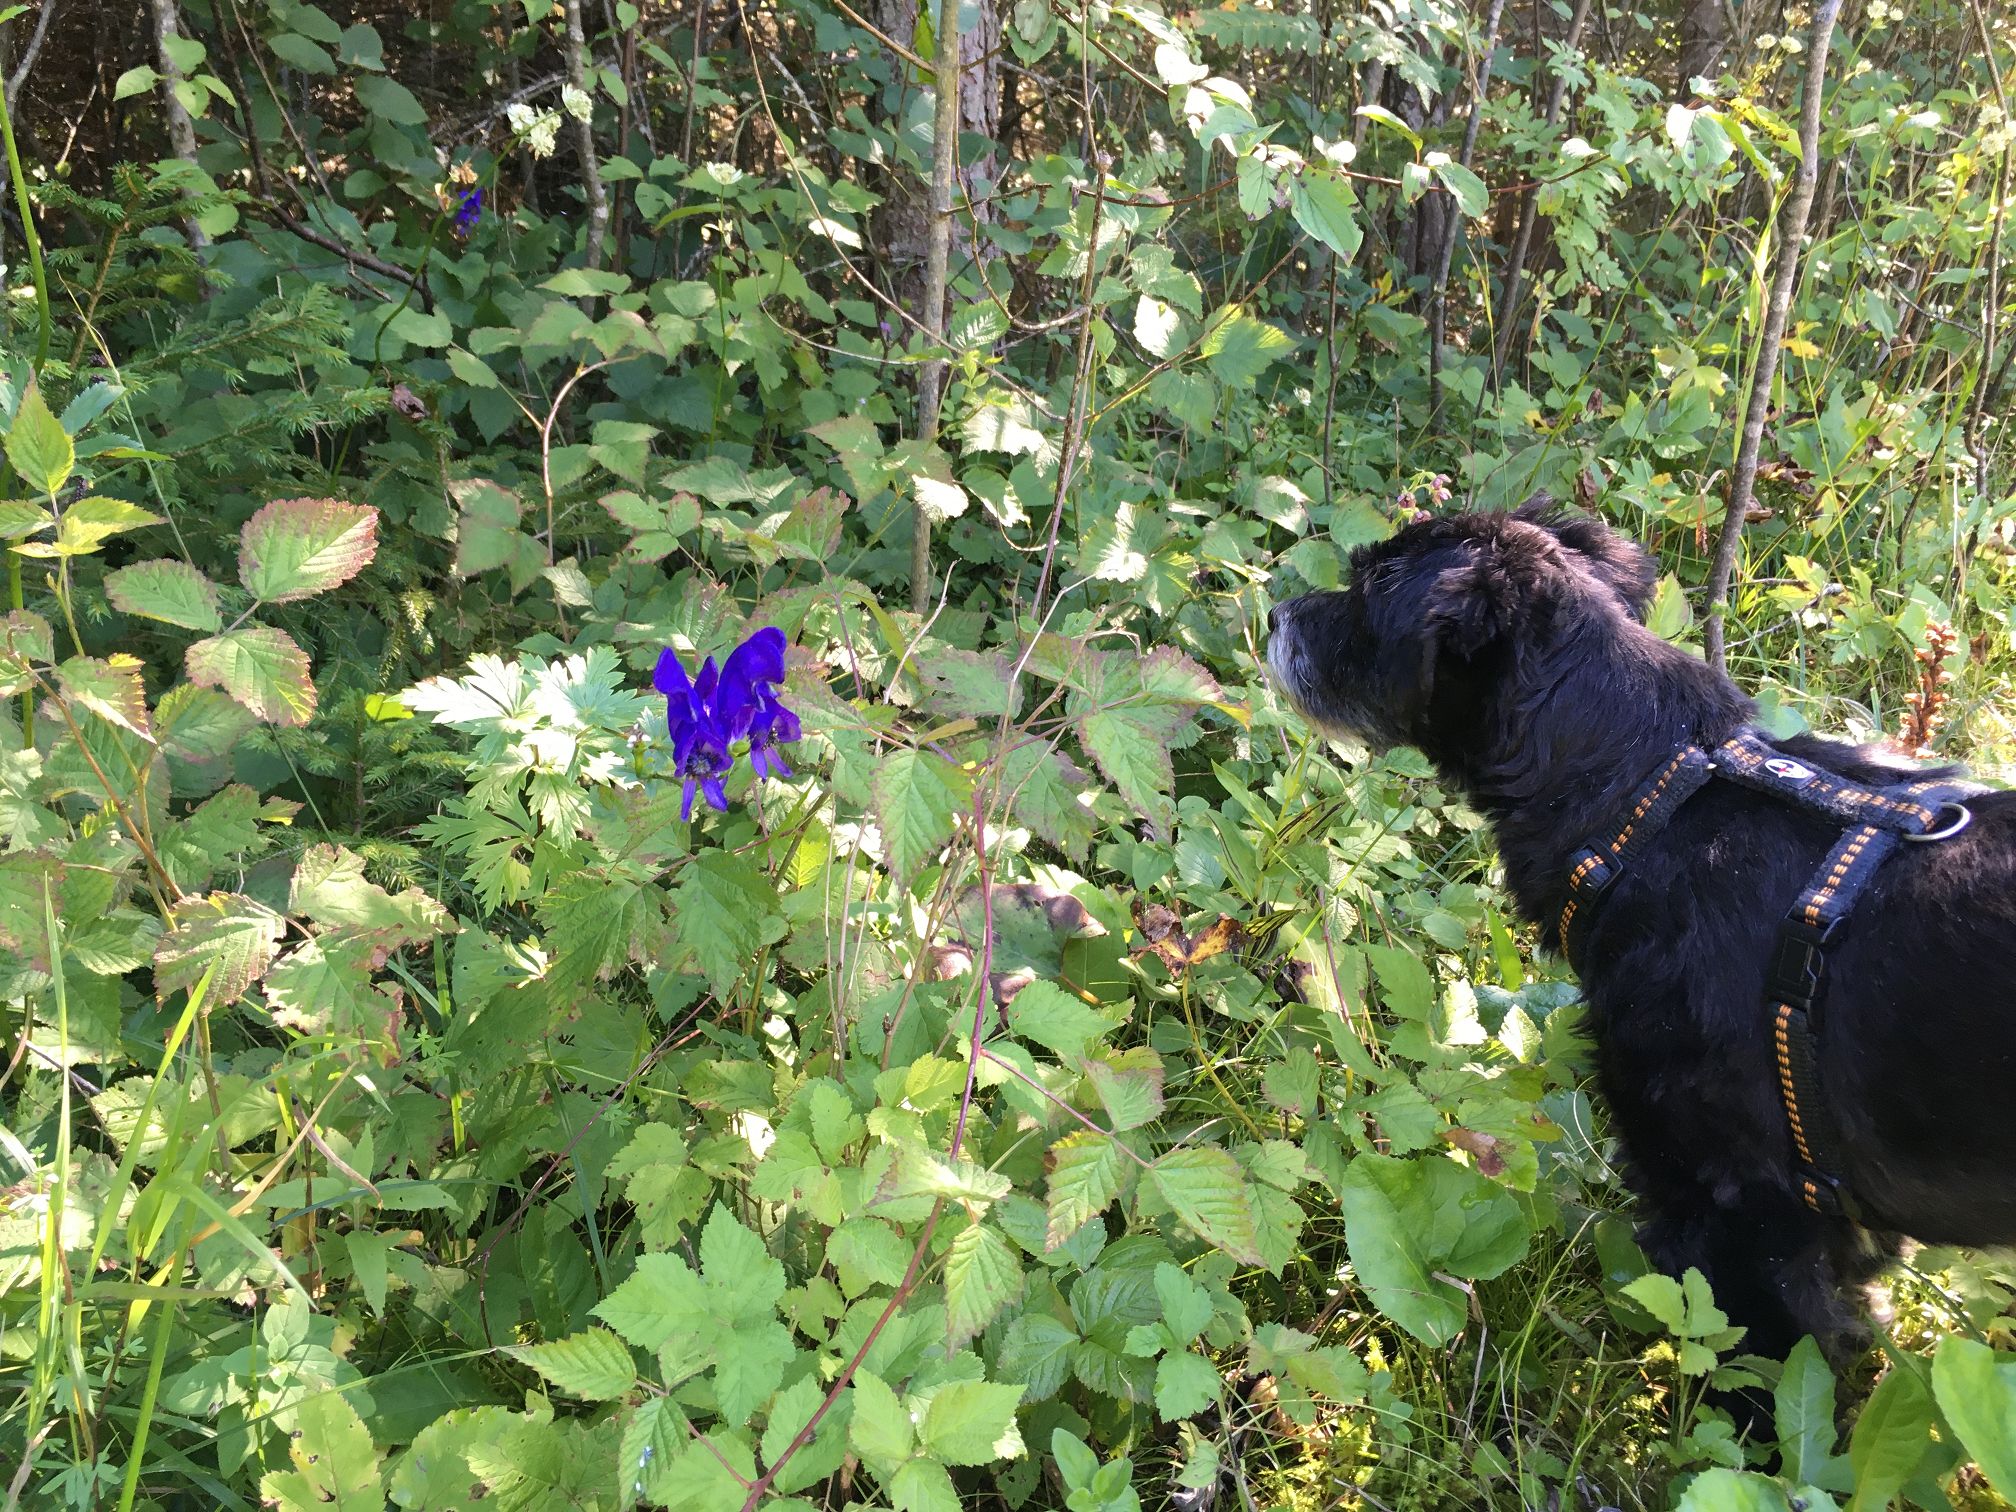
x: 1509, y: 649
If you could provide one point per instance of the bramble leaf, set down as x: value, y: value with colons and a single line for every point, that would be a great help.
x: 296, y: 548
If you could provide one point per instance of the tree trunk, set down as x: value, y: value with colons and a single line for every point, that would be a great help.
x: 574, y: 56
x: 937, y: 261
x: 1438, y: 308
x: 181, y: 128
x: 1704, y: 34
x: 1785, y: 279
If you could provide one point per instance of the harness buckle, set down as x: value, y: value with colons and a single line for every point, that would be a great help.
x: 1957, y: 817
x: 1590, y: 873
x: 1826, y: 1194
x: 1799, y: 967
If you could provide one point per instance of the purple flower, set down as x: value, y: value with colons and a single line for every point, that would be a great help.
x: 468, y: 211
x: 706, y: 715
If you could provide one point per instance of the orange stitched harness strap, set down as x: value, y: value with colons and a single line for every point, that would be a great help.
x: 1875, y: 820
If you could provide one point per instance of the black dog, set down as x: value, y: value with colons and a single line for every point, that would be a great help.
x: 1509, y: 648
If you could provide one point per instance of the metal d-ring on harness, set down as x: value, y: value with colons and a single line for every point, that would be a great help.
x: 1876, y: 819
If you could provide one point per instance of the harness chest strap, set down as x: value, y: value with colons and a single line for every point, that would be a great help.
x: 1876, y: 819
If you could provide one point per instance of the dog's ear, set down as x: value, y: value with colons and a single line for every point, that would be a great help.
x: 1618, y: 562
x: 1487, y: 598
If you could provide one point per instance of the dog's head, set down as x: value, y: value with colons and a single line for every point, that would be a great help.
x: 1439, y: 617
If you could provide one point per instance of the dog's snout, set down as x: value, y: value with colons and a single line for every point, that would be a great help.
x: 1274, y: 619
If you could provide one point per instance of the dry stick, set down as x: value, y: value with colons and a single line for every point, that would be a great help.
x: 33, y: 50
x: 1529, y: 212
x: 1792, y: 232
x: 1438, y: 303
x: 937, y: 258
x: 1978, y: 420
x: 573, y: 55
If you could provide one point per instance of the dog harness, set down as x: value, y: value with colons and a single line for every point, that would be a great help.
x: 1875, y: 820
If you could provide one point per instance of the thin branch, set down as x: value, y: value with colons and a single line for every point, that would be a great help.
x: 42, y: 20
x: 1792, y: 233
x: 350, y: 255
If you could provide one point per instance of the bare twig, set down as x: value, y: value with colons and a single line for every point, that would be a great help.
x: 34, y: 48
x: 1791, y: 233
x: 181, y: 129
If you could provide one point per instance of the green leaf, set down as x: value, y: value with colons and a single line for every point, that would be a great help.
x: 167, y: 590
x: 1805, y: 1414
x: 662, y: 1297
x: 1129, y: 1085
x: 1049, y: 1016
x: 1085, y: 1172
x: 820, y: 1456
x: 1324, y: 204
x: 135, y: 81
x: 1890, y: 1439
x: 1405, y: 1220
x: 1468, y: 189
x: 295, y: 49
x: 1045, y: 786
x: 593, y: 1364
x: 1185, y: 1384
x: 1976, y: 1389
x: 881, y: 1432
x: 335, y: 1464
x: 390, y: 100
x: 1721, y: 1490
x: 87, y: 524
x: 260, y: 667
x: 923, y: 1484
x: 725, y: 912
x: 330, y: 888
x: 1186, y: 1305
x: 972, y: 1423
x: 1037, y: 1351
x: 296, y: 548
x: 322, y: 986
x: 1238, y: 348
x: 38, y: 446
x: 110, y: 689
x: 1132, y: 749
x: 919, y: 796
x: 982, y: 1276
x: 229, y: 931
x: 1207, y: 1190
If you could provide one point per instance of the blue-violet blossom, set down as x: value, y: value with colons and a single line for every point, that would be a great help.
x: 705, y: 715
x: 468, y: 211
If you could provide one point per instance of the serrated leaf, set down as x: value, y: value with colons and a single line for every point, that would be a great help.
x: 661, y: 1297
x: 296, y: 548
x: 982, y: 1276
x: 1045, y: 786
x: 1186, y: 1305
x: 336, y: 1467
x: 881, y: 1433
x: 593, y: 1364
x: 1132, y: 749
x: 819, y: 1457
x: 972, y: 1423
x: 1129, y: 1085
x: 1207, y: 1190
x: 321, y: 986
x: 1804, y: 1412
x: 919, y: 796
x: 87, y: 524
x: 1976, y: 1389
x: 1185, y: 1384
x: 229, y: 931
x: 38, y: 446
x: 260, y: 667
x: 1085, y: 1172
x: 330, y: 888
x: 166, y: 590
x: 1239, y: 348
x: 1037, y: 1351
x: 725, y: 911
x: 110, y: 689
